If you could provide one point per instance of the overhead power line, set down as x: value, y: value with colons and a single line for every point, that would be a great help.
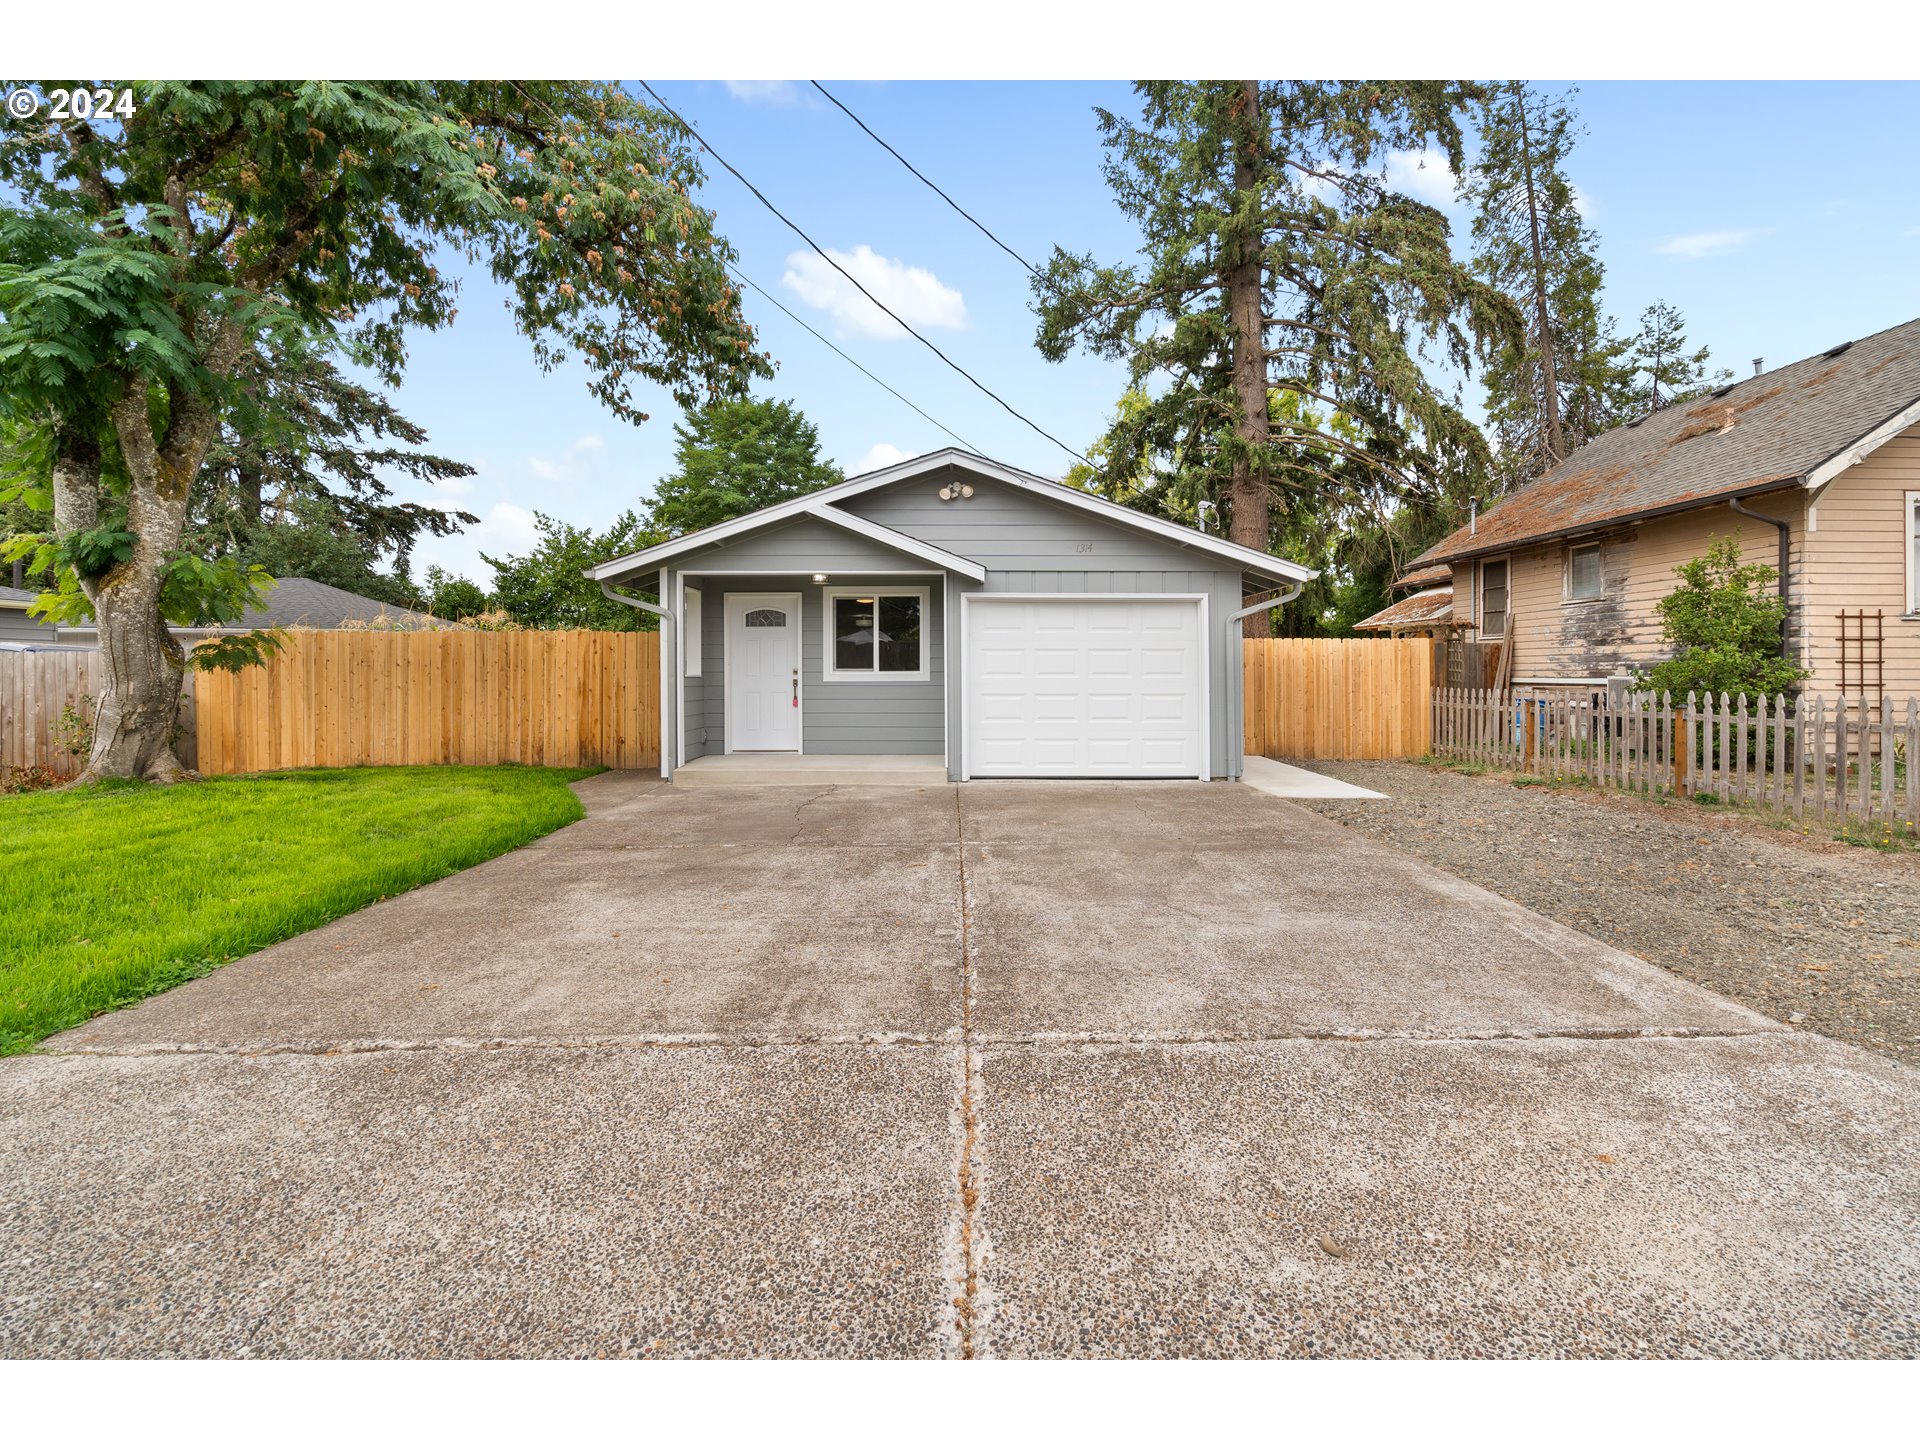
x: 958, y: 209
x: 964, y: 444
x: 812, y: 244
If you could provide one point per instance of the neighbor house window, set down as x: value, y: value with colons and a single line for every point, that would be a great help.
x: 877, y: 634
x: 1493, y: 600
x: 1913, y: 552
x: 1583, y: 572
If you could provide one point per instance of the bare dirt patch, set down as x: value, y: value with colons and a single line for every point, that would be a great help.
x: 1823, y: 935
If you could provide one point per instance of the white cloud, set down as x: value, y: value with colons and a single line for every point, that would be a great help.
x: 1583, y: 204
x: 879, y: 457
x: 914, y: 294
x: 1423, y: 174
x: 1703, y: 244
x: 764, y: 92
x: 504, y: 529
x: 566, y: 469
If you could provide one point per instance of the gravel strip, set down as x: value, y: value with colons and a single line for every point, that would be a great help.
x: 1822, y: 935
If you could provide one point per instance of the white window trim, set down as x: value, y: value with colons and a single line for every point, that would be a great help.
x: 832, y: 676
x: 1912, y: 501
x: 690, y: 638
x: 1480, y: 597
x: 1567, y: 597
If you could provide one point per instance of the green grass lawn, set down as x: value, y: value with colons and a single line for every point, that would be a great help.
x: 118, y: 892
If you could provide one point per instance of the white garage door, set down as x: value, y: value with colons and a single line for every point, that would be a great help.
x: 1084, y: 687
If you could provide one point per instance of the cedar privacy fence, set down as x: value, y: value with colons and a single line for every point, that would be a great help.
x: 1812, y: 756
x: 1338, y: 699
x: 375, y: 697
x: 584, y: 697
x: 40, y: 689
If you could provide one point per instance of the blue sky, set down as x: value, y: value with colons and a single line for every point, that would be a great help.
x: 1780, y: 218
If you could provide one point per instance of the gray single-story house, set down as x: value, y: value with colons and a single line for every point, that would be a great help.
x: 985, y: 620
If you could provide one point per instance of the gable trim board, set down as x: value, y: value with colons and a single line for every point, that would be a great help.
x: 822, y: 505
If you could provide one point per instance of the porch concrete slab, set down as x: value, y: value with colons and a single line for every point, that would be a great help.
x: 566, y: 938
x: 1290, y: 782
x: 780, y: 768
x: 1307, y: 930
x: 1752, y: 1196
x: 811, y: 816
x: 689, y: 1202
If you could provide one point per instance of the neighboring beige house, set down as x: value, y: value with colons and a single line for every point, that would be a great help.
x: 1821, y: 456
x: 1425, y: 611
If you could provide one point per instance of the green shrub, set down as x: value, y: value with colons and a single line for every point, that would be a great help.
x: 1724, y: 624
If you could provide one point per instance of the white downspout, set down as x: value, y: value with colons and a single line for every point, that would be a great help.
x: 1237, y: 672
x: 667, y: 665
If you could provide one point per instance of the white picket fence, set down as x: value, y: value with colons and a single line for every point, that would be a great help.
x: 1840, y: 761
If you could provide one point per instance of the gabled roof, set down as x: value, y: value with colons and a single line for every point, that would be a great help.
x: 1423, y: 577
x: 1799, y: 425
x: 1429, y: 607
x: 296, y: 603
x: 821, y: 504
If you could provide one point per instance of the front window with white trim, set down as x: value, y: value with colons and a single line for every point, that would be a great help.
x: 874, y: 633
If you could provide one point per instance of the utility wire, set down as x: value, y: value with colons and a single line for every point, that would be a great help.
x: 964, y: 444
x: 742, y: 277
x: 957, y: 207
x: 815, y: 247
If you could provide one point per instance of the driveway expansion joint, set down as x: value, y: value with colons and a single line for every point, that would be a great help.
x: 967, y: 1319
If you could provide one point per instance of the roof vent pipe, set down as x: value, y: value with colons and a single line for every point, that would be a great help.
x: 1473, y: 516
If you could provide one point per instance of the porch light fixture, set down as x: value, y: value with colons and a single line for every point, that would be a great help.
x: 819, y: 579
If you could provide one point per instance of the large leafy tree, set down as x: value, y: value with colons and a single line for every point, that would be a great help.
x: 142, y: 259
x: 736, y: 456
x: 1277, y: 258
x: 1565, y: 377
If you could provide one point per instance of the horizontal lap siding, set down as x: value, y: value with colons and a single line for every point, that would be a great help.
x: 1859, y: 562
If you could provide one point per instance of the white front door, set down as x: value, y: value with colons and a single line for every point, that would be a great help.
x: 1077, y: 687
x: 763, y: 672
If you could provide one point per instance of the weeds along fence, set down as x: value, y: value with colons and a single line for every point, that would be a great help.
x: 1850, y: 763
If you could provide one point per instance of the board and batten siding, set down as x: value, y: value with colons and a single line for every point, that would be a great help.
x: 1032, y: 545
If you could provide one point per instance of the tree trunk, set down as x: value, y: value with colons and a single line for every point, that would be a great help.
x: 141, y: 670
x: 1248, y: 514
x: 1543, y: 321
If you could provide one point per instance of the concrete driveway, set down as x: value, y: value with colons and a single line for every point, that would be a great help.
x: 1008, y: 1069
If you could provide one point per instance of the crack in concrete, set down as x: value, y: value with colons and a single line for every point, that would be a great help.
x: 969, y: 1043
x: 966, y: 1306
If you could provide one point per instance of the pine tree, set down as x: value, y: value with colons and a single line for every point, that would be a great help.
x: 1667, y: 372
x: 1277, y: 258
x: 1567, y: 378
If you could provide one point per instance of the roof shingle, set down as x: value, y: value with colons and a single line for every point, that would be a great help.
x: 1767, y: 432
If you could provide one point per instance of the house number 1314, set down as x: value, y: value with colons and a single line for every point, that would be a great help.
x: 1085, y: 547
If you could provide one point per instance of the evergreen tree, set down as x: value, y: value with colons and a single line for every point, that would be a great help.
x: 1566, y: 377
x: 735, y: 457
x: 1277, y: 258
x: 1666, y: 371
